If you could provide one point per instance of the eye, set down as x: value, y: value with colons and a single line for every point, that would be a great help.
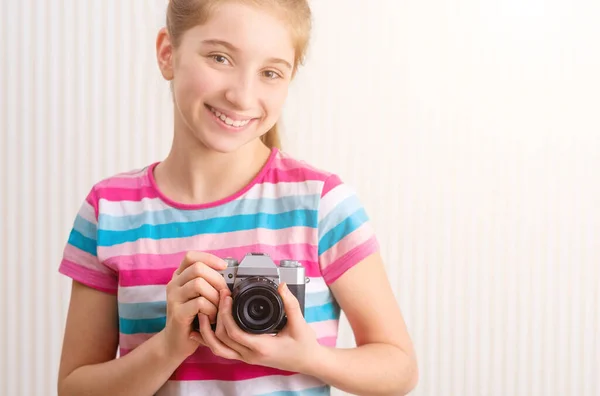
x: 220, y: 59
x: 271, y: 75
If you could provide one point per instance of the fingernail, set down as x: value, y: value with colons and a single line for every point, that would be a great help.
x: 195, y: 339
x: 285, y: 289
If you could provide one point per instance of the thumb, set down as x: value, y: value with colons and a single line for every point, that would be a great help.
x: 290, y: 304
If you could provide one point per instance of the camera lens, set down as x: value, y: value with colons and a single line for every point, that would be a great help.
x: 258, y: 310
x: 257, y: 307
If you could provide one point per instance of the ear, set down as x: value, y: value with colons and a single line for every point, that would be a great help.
x: 164, y: 54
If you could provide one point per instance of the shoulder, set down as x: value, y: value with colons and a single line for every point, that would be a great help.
x: 131, y: 185
x: 292, y: 169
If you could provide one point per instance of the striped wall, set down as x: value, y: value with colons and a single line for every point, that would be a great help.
x: 469, y: 128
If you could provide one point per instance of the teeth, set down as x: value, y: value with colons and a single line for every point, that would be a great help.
x: 228, y: 120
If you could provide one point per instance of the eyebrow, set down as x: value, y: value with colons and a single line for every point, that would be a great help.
x: 235, y: 49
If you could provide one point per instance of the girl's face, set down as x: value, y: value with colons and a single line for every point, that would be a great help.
x: 230, y: 75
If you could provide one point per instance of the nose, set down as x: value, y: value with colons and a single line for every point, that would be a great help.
x: 240, y: 92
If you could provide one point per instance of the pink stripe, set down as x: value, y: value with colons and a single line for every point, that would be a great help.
x: 349, y: 242
x: 91, y: 278
x: 146, y: 277
x: 84, y: 259
x: 92, y: 200
x: 347, y: 261
x: 127, y: 342
x: 327, y: 328
x: 328, y: 341
x: 203, y: 355
x: 126, y: 194
x: 232, y: 370
x: 331, y: 182
x: 223, y: 372
x: 287, y: 163
x: 166, y: 264
x: 275, y: 175
x: 125, y: 182
x: 206, y: 242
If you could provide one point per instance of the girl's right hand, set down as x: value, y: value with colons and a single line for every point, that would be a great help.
x: 193, y: 290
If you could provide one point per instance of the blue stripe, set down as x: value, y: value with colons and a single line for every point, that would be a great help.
x: 338, y: 214
x: 319, y: 298
x: 146, y: 310
x: 315, y: 302
x: 84, y: 227
x: 297, y: 218
x: 136, y: 324
x: 320, y: 313
x: 81, y: 242
x: 337, y: 233
x: 238, y: 207
x: 321, y: 390
x: 153, y: 310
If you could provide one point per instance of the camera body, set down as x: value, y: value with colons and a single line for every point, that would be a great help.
x: 253, y: 282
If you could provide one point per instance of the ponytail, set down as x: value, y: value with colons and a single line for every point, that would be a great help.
x: 272, y: 139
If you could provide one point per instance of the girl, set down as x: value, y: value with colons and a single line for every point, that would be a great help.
x: 147, y: 246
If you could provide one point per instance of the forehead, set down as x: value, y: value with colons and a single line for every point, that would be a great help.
x: 254, y: 31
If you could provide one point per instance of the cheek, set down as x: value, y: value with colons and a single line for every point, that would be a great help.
x: 276, y: 100
x: 195, y: 84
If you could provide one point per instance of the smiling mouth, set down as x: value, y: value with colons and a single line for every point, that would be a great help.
x: 229, y: 120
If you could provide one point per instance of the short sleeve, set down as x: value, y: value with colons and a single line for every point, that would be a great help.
x: 346, y: 236
x: 80, y: 258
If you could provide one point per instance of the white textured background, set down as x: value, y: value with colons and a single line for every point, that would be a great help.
x: 470, y: 128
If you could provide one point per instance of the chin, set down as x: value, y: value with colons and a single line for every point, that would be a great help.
x: 224, y: 144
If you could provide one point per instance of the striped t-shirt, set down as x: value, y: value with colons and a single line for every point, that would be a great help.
x: 128, y: 238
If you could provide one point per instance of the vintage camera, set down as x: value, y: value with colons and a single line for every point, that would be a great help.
x: 257, y: 306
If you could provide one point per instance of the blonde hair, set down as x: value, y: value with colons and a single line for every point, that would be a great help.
x: 183, y: 15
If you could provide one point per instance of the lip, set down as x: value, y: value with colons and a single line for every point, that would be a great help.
x: 235, y: 117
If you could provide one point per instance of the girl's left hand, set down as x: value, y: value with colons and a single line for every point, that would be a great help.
x: 289, y: 350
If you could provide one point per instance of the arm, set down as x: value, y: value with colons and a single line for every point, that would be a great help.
x: 384, y: 361
x: 88, y: 365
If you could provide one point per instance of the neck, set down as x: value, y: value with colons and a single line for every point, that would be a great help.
x: 194, y: 174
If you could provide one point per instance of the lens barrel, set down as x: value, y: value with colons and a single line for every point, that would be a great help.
x: 257, y: 306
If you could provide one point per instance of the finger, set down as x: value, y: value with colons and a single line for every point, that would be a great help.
x: 202, y: 270
x: 290, y: 305
x: 198, y: 287
x: 192, y: 307
x: 215, y: 345
x: 229, y: 332
x: 192, y: 257
x: 197, y: 337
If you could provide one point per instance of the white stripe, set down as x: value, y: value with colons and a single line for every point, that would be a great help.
x: 147, y: 293
x: 130, y: 208
x: 254, y: 386
x: 283, y: 189
x: 333, y: 198
x: 154, y: 293
x: 316, y: 285
x: 87, y: 212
